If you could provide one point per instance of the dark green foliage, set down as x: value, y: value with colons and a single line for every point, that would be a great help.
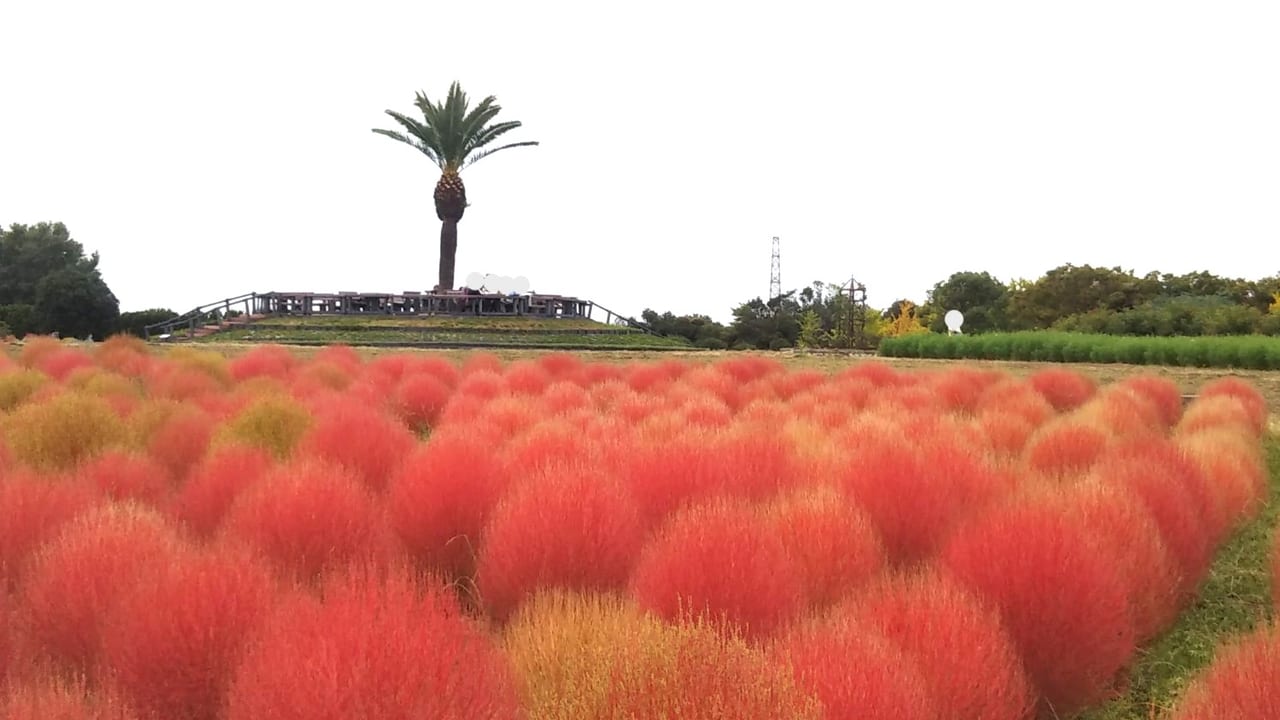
x: 133, y: 323
x: 75, y: 302
x: 21, y: 318
x: 48, y: 284
x: 983, y: 299
x: 1250, y: 352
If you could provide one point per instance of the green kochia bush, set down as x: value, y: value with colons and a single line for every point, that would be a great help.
x: 1253, y: 352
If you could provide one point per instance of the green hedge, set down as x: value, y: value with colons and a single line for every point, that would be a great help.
x: 1254, y: 352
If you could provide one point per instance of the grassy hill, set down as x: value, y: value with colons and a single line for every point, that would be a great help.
x: 441, y: 331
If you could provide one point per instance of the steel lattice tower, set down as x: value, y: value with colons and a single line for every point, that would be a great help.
x: 775, y: 271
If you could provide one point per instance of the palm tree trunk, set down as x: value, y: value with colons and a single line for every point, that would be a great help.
x: 448, y: 252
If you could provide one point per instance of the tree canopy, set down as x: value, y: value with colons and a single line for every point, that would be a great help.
x: 48, y: 284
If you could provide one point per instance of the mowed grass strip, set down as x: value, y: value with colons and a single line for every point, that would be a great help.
x: 1235, y: 599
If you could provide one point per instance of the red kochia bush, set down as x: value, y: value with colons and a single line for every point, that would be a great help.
x: 1130, y: 536
x: 1064, y: 449
x: 52, y: 699
x: 914, y: 493
x: 419, y: 399
x: 970, y: 663
x: 181, y: 440
x: 1172, y: 505
x: 122, y: 475
x: 1065, y: 389
x: 568, y: 528
x: 440, y: 500
x: 172, y: 643
x: 6, y: 635
x: 372, y: 649
x: 215, y: 483
x: 77, y: 578
x: 1162, y: 393
x: 272, y: 361
x: 855, y: 672
x: 1240, y: 684
x: 359, y: 438
x: 308, y: 516
x: 835, y: 545
x: 720, y: 559
x: 1244, y: 391
x: 33, y: 509
x: 1064, y: 602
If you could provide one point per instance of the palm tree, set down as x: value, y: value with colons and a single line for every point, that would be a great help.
x: 453, y: 136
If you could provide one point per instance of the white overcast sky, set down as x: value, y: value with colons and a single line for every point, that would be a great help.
x: 217, y: 148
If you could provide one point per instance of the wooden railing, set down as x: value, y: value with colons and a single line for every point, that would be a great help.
x: 409, y: 303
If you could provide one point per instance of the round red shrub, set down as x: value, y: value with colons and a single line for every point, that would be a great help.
x: 526, y: 377
x: 1173, y: 508
x: 181, y: 440
x: 1245, y: 392
x: 915, y: 493
x: 1164, y: 457
x: 833, y: 543
x: 723, y: 561
x: 1065, y: 389
x: 961, y: 388
x: 546, y: 445
x: 855, y: 672
x: 1063, y: 600
x: 420, y: 398
x: 1006, y: 434
x: 372, y: 648
x: 359, y: 438
x: 969, y: 661
x: 172, y: 642
x: 571, y: 528
x: 1065, y: 449
x: 54, y: 699
x: 63, y: 361
x: 269, y: 361
x: 1234, y: 470
x: 124, y: 475
x: 440, y: 500
x: 1240, y: 684
x: 1161, y: 392
x: 215, y: 483
x: 6, y: 635
x: 308, y: 516
x: 35, y: 508
x: 76, y: 579
x: 1016, y: 397
x: 1128, y: 534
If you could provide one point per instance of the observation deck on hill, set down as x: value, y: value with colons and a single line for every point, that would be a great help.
x: 457, y: 318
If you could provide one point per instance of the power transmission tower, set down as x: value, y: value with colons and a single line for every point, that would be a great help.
x: 775, y: 271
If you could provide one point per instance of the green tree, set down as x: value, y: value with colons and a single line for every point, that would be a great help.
x: 30, y: 252
x: 1071, y: 290
x: 983, y: 299
x: 75, y: 302
x: 48, y: 284
x: 453, y: 135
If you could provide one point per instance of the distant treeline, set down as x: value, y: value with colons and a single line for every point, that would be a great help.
x: 1069, y: 298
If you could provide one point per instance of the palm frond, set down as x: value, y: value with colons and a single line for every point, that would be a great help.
x: 421, y: 137
x: 486, y: 153
x: 487, y: 135
x: 451, y: 132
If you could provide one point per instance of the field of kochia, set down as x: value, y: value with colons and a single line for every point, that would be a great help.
x: 266, y: 537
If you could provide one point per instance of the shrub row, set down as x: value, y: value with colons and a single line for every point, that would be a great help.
x: 1252, y: 352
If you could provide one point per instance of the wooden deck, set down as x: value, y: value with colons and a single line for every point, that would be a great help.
x: 456, y: 302
x: 255, y: 306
